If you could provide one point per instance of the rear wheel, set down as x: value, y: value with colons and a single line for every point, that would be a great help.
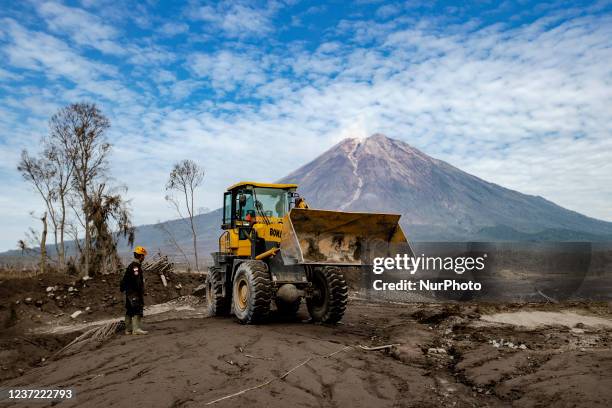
x: 252, y: 292
x: 328, y: 303
x: 216, y: 303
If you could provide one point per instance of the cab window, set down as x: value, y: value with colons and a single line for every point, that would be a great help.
x: 248, y: 206
x: 227, y: 208
x: 274, y: 202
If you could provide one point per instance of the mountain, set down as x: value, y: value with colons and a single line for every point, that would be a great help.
x: 437, y: 201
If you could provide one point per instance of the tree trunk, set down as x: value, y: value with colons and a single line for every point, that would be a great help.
x: 195, y: 245
x: 43, y: 245
x: 87, y: 231
x: 193, y: 232
x: 87, y: 247
x: 55, y: 241
x: 62, y: 252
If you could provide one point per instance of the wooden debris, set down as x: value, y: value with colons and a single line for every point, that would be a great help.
x: 547, y: 297
x: 159, y: 265
x: 387, y: 346
x: 259, y: 358
x: 97, y: 334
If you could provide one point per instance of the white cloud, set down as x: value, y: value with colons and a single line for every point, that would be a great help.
x: 83, y: 27
x: 388, y: 10
x: 42, y: 52
x: 237, y: 19
x: 7, y: 75
x: 173, y: 28
x: 226, y: 70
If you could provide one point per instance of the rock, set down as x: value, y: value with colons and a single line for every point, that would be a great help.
x: 38, y: 303
x: 27, y: 301
x: 523, y: 347
x: 438, y: 350
x: 76, y: 314
x: 50, y: 288
x: 86, y: 278
x: 88, y: 309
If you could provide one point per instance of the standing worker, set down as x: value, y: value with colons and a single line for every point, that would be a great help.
x: 133, y: 286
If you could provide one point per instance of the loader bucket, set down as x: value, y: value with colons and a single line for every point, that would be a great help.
x: 340, y: 238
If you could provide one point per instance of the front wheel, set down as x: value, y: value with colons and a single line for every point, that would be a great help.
x: 328, y: 303
x: 252, y: 292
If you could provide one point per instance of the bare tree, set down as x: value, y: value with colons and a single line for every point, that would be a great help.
x: 186, y: 176
x: 70, y: 174
x: 63, y: 168
x: 78, y: 131
x: 41, y: 173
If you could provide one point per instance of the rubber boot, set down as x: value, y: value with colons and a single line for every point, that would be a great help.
x: 128, y: 324
x: 137, y: 330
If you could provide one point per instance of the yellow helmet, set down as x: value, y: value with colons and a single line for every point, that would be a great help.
x: 140, y: 250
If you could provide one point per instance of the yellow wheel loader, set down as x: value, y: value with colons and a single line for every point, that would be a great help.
x: 272, y: 251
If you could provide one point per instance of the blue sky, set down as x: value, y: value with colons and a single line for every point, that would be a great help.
x: 518, y: 93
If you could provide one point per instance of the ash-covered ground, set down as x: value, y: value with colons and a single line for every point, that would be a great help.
x: 453, y: 354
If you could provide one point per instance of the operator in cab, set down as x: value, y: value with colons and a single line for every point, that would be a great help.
x: 133, y: 286
x: 301, y: 203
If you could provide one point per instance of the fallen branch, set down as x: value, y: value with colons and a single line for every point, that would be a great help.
x: 258, y: 358
x: 547, y: 297
x: 277, y: 378
x: 366, y: 348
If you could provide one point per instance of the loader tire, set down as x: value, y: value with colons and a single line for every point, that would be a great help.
x: 252, y: 292
x: 331, y: 295
x: 216, y: 303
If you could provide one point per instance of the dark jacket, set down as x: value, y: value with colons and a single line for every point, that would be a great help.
x: 133, y: 282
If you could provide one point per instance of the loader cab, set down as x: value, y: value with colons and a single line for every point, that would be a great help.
x: 246, y: 203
